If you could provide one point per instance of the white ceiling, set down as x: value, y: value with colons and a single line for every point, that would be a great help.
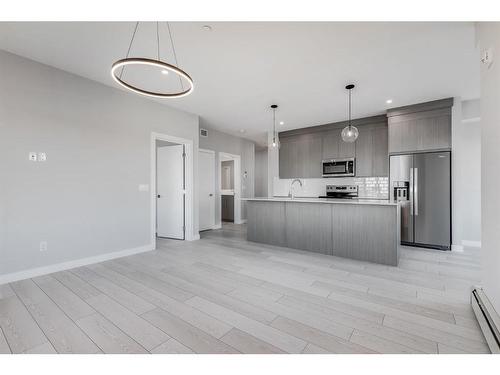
x: 241, y: 68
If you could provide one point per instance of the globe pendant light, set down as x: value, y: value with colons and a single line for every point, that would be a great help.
x: 350, y: 133
x: 162, y: 66
x: 275, y: 142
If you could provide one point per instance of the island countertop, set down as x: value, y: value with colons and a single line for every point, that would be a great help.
x: 378, y: 202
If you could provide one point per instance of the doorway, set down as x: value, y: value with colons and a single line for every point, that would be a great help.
x: 229, y: 202
x: 206, y: 173
x: 170, y: 187
x: 171, y: 181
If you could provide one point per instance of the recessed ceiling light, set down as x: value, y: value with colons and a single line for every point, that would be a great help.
x: 282, y: 122
x: 207, y: 27
x: 242, y: 130
x: 388, y: 101
x: 164, y: 71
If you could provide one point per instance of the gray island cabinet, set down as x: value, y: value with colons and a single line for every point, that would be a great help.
x: 356, y: 229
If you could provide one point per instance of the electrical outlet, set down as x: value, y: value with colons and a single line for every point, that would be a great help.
x: 42, y: 156
x: 32, y: 156
x: 43, y: 245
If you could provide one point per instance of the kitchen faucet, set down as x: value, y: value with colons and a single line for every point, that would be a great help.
x: 291, y: 193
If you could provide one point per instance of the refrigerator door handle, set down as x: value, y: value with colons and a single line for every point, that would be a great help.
x: 415, y: 190
x: 411, y: 192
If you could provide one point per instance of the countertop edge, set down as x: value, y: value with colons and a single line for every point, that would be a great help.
x: 324, y: 201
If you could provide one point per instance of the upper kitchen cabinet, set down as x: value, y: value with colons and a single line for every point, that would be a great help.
x: 380, y: 161
x: 302, y: 150
x: 372, y: 157
x: 330, y: 144
x: 300, y: 156
x: 420, y: 127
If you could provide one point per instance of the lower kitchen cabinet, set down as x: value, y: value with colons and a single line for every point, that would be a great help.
x: 227, y: 208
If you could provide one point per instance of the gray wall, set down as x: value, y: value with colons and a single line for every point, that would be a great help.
x: 84, y: 200
x: 222, y: 142
x: 489, y: 36
x: 261, y: 173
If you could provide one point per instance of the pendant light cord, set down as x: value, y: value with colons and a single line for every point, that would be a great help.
x: 350, y: 109
x: 274, y: 125
x: 173, y: 50
x: 158, y: 41
x: 130, y: 46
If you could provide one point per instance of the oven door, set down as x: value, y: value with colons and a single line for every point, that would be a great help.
x: 332, y: 168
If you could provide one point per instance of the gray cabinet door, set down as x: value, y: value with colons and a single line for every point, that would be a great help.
x: 227, y: 203
x: 285, y: 162
x: 420, y: 131
x: 346, y: 150
x: 364, y: 152
x: 300, y: 157
x: 330, y: 144
x: 313, y: 157
x: 380, y: 155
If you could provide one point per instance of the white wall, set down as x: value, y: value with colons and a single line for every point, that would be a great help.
x: 84, y: 200
x: 488, y: 34
x: 222, y: 142
x: 466, y: 174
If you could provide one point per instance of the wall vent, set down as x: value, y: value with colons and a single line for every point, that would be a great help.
x: 203, y: 133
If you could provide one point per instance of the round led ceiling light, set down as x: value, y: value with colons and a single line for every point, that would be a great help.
x: 163, y: 66
x: 155, y: 63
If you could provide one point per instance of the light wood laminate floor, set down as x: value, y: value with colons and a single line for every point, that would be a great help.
x: 223, y: 294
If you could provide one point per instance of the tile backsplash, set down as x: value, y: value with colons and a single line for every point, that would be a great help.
x: 369, y: 187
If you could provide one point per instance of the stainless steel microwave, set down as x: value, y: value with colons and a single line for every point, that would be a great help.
x: 339, y: 167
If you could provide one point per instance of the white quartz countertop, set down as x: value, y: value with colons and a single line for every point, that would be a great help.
x: 381, y: 202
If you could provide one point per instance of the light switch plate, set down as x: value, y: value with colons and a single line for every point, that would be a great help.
x: 32, y: 156
x: 42, y: 156
x: 43, y: 245
x: 487, y: 57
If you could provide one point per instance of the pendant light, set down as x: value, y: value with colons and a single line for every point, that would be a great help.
x: 163, y: 67
x: 275, y: 142
x: 350, y: 133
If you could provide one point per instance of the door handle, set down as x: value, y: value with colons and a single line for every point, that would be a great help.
x: 415, y: 189
x: 210, y: 195
x: 159, y: 196
x: 412, y: 195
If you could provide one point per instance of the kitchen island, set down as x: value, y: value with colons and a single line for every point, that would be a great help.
x: 361, y: 229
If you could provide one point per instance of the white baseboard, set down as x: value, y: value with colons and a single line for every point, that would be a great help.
x: 196, y: 237
x: 45, y: 270
x: 457, y: 248
x: 471, y: 243
x: 242, y: 221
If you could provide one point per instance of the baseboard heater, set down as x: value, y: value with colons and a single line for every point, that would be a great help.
x: 488, y: 319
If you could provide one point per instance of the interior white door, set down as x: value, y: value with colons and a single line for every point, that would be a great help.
x: 206, y: 175
x: 170, y: 192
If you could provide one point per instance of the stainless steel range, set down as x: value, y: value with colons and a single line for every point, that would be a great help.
x: 341, y: 191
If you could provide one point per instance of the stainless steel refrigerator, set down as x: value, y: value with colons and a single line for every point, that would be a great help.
x: 422, y: 183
